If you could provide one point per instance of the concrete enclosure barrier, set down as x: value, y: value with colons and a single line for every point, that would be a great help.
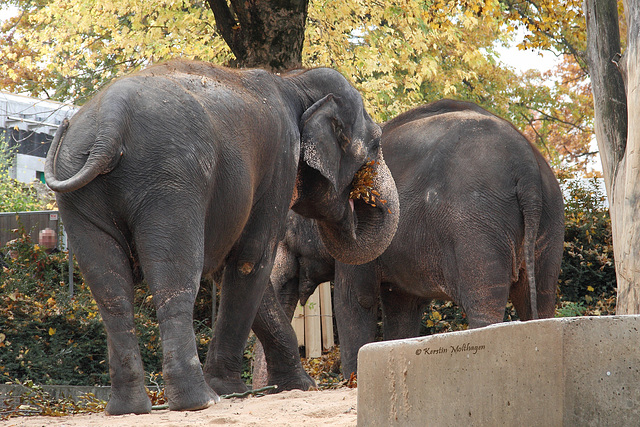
x: 556, y: 372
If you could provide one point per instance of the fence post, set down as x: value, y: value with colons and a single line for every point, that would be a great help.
x: 313, y: 323
x: 298, y: 324
x: 326, y: 315
x: 70, y: 270
x: 312, y: 328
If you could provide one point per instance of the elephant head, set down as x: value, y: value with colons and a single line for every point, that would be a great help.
x: 343, y: 182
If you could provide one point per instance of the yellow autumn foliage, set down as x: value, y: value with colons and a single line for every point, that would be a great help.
x: 398, y: 53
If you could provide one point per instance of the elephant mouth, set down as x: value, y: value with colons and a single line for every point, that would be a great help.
x: 366, y: 206
x: 370, y: 216
x: 363, y: 187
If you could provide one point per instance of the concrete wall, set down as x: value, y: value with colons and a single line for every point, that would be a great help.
x: 556, y: 372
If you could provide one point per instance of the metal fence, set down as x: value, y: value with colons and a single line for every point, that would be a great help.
x: 33, y: 222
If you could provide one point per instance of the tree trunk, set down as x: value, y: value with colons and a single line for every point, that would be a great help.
x: 618, y: 141
x: 627, y: 185
x: 263, y: 33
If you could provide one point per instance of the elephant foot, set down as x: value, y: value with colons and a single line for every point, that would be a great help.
x: 128, y: 403
x: 190, y: 397
x: 287, y: 381
x: 224, y: 386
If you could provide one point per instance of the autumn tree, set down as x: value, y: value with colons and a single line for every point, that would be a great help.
x: 267, y: 34
x: 67, y: 50
x: 565, y: 126
x: 397, y: 53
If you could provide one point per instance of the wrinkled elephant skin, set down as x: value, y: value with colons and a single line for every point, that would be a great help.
x: 186, y: 169
x: 481, y: 221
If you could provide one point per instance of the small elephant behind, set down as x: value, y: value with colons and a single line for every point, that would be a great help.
x: 481, y: 221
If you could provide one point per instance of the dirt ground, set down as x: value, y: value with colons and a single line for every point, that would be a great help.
x: 336, y: 408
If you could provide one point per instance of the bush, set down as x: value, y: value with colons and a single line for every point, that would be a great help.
x: 443, y: 316
x: 15, y: 196
x: 42, y: 327
x: 588, y: 268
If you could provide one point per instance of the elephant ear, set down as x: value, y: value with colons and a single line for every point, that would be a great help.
x: 323, y: 132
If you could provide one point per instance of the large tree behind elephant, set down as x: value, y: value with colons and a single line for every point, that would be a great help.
x: 186, y: 169
x: 481, y: 220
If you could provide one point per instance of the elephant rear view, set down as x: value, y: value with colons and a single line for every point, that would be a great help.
x: 481, y: 220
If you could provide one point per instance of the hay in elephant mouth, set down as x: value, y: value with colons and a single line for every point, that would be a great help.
x: 363, y: 186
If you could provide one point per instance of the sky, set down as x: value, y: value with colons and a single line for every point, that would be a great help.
x: 523, y: 60
x: 7, y: 11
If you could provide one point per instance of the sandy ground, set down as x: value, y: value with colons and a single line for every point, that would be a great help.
x: 336, y: 408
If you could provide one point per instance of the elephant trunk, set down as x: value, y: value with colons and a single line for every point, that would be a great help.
x: 369, y: 224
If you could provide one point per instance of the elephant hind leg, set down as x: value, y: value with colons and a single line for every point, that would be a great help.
x: 485, y: 300
x: 401, y: 313
x: 273, y: 328
x: 478, y: 272
x: 111, y: 282
x: 174, y: 280
x: 488, y: 308
x: 521, y: 298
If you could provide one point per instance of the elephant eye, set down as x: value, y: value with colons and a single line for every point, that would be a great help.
x: 375, y: 145
x: 344, y: 140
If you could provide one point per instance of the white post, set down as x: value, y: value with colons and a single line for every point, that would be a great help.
x: 326, y: 315
x: 312, y: 328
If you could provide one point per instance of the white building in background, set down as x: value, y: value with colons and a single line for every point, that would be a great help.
x: 28, y: 124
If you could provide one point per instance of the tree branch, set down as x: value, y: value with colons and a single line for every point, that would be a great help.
x: 228, y: 26
x: 556, y: 119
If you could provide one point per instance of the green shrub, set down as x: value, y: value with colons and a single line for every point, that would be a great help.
x: 443, y: 316
x: 47, y: 336
x: 15, y: 196
x: 588, y: 269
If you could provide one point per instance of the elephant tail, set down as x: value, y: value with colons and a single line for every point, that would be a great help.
x: 103, y: 157
x: 530, y: 201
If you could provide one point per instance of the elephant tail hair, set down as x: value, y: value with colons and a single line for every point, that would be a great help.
x: 530, y: 201
x: 103, y: 157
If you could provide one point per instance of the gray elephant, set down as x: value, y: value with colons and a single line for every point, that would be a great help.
x: 186, y: 169
x: 481, y: 220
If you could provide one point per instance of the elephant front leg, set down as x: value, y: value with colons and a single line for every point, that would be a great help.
x: 401, y: 313
x: 243, y: 285
x: 356, y: 294
x: 273, y: 328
